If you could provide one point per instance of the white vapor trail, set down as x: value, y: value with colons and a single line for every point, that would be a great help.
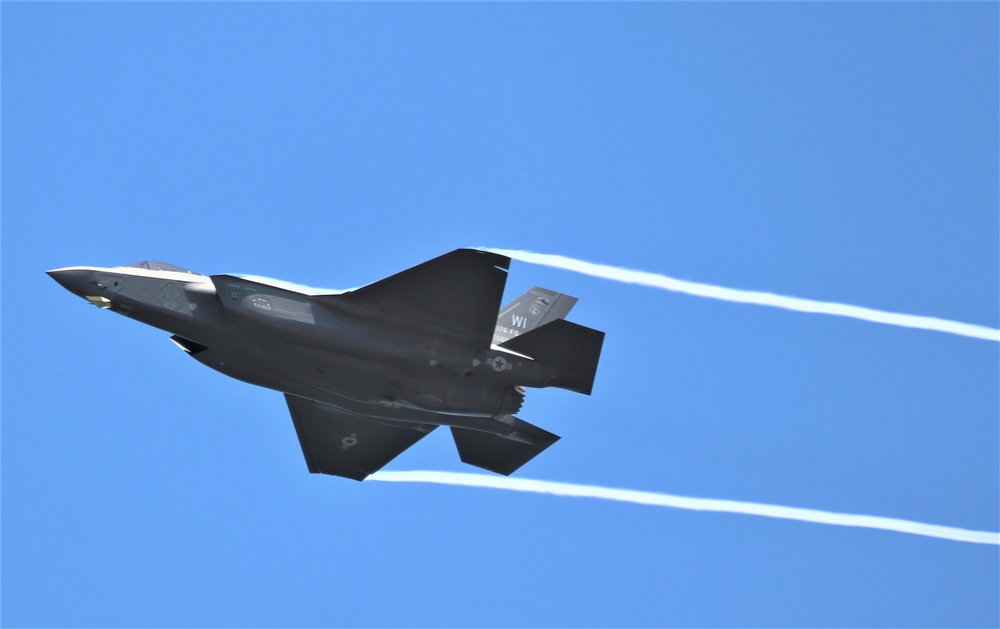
x: 694, y: 504
x: 665, y: 282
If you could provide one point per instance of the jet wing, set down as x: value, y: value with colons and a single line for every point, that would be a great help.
x: 461, y: 290
x: 340, y: 444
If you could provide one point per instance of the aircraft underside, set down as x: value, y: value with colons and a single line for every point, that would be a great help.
x: 367, y: 373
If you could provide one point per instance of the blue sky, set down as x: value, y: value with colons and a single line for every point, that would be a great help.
x: 839, y: 151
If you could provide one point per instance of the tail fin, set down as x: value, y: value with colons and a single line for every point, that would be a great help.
x: 499, y: 454
x: 571, y: 351
x: 535, y: 308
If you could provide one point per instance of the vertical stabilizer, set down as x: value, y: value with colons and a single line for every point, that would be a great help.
x: 535, y: 308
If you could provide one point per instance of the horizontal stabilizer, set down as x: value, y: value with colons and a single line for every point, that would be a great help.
x: 571, y: 350
x: 498, y: 454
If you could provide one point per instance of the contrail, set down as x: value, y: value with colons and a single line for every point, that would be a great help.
x: 665, y: 282
x: 694, y: 504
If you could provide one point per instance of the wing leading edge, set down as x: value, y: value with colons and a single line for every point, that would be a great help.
x: 461, y: 290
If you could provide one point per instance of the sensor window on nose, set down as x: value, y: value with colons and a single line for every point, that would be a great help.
x: 100, y: 302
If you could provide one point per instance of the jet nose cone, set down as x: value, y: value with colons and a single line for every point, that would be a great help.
x: 73, y: 279
x: 65, y: 277
x: 57, y: 274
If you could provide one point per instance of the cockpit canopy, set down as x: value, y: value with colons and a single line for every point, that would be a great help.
x: 153, y: 265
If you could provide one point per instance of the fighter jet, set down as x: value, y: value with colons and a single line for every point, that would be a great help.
x: 369, y: 372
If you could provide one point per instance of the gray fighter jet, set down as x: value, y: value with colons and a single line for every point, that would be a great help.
x: 369, y: 372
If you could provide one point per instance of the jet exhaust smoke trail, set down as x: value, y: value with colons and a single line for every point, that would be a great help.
x: 694, y: 504
x: 665, y: 282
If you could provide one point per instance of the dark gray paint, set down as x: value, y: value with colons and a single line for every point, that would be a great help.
x: 368, y: 373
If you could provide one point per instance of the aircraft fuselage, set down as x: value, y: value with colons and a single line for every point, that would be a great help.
x: 367, y: 363
x: 369, y: 372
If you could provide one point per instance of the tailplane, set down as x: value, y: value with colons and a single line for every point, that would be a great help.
x: 503, y: 455
x: 570, y: 350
